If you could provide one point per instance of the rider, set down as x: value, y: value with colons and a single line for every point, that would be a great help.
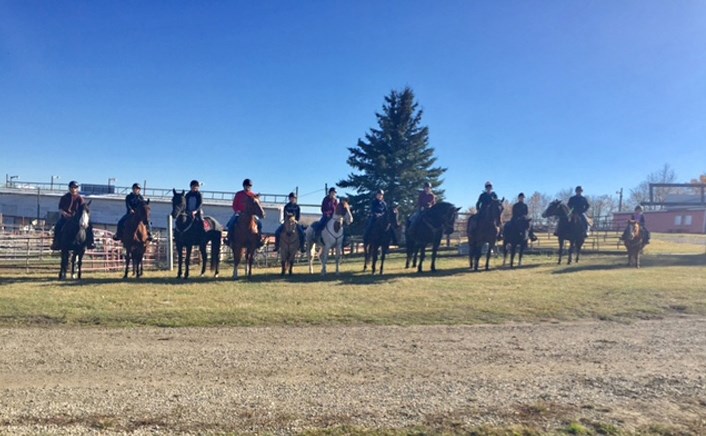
x: 293, y: 209
x: 132, y: 201
x: 328, y: 208
x: 194, y: 200
x: 378, y: 208
x: 485, y: 199
x: 639, y: 216
x: 425, y: 201
x: 239, y: 206
x: 68, y: 206
x: 520, y: 211
x: 579, y: 205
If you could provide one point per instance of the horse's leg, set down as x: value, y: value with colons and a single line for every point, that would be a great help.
x: 324, y: 259
x: 578, y: 250
x: 513, y: 248
x: 366, y: 256
x: 422, y: 255
x: 216, y: 253
x: 127, y: 263
x: 204, y: 256
x: 522, y: 250
x: 79, y: 263
x: 487, y: 256
x: 339, y: 253
x: 561, y: 248
x: 180, y: 259
x: 572, y: 247
x: 409, y: 250
x: 64, y: 265
x: 187, y: 261
x: 73, y: 264
x: 383, y: 250
x: 505, y: 244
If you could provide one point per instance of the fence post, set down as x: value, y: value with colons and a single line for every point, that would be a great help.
x: 170, y: 243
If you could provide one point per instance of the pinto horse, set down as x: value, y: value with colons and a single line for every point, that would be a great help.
x: 188, y: 232
x: 428, y: 229
x: 331, y: 237
x: 483, y: 228
x: 72, y: 241
x: 570, y: 228
x: 515, y: 234
x: 135, y: 239
x: 634, y: 241
x: 246, y: 236
x: 379, y: 238
x: 289, y: 243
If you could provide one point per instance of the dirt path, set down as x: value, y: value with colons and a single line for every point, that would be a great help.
x: 284, y: 380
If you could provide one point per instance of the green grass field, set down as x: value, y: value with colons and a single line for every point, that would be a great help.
x: 672, y: 281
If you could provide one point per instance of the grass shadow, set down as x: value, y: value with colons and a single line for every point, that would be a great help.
x: 659, y: 260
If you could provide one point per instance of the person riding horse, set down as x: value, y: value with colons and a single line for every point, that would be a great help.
x: 485, y: 199
x: 328, y: 208
x: 640, y: 218
x: 133, y: 201
x: 194, y: 200
x: 291, y: 209
x: 425, y: 201
x: 579, y: 206
x: 240, y: 204
x: 520, y: 212
x: 378, y: 208
x: 69, y: 204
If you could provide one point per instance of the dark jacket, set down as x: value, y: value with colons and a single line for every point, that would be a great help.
x: 292, y: 209
x: 578, y: 204
x: 519, y: 210
x: 641, y: 220
x: 70, y: 203
x: 378, y: 207
x: 328, y: 206
x: 425, y: 201
x: 485, y: 199
x: 198, y: 198
x: 133, y: 201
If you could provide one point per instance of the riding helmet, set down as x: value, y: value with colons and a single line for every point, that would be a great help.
x: 638, y: 207
x: 427, y: 185
x: 488, y: 185
x: 73, y: 184
x: 579, y: 188
x: 522, y: 194
x: 292, y: 195
x: 194, y: 183
x: 246, y: 183
x: 136, y: 185
x: 380, y: 191
x: 330, y: 190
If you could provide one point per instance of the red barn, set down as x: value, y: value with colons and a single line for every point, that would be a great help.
x: 678, y: 220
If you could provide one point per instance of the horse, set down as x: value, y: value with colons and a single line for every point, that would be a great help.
x: 428, y: 229
x: 73, y: 239
x: 515, y: 234
x: 379, y: 238
x: 634, y: 241
x: 331, y: 237
x: 289, y: 243
x: 483, y: 228
x: 570, y: 228
x: 246, y: 236
x: 135, y: 239
x: 186, y: 235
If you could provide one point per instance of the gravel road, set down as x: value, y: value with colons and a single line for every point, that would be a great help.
x: 285, y: 380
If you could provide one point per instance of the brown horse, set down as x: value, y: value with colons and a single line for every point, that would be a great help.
x: 289, y: 243
x: 135, y: 239
x: 246, y: 237
x: 634, y: 242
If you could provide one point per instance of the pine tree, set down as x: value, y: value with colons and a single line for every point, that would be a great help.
x: 395, y: 157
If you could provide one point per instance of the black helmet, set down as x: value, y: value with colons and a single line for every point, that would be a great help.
x: 521, y: 194
x: 292, y: 195
x: 136, y: 186
x: 380, y: 191
x: 427, y: 185
x: 73, y: 184
x: 638, y: 207
x: 194, y: 183
x: 246, y: 183
x: 579, y: 188
x: 330, y: 190
x: 488, y: 184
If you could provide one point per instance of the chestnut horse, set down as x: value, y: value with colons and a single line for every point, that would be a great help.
x: 634, y: 242
x: 246, y: 237
x: 289, y: 243
x: 135, y: 239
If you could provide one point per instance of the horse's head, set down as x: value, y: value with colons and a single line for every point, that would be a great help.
x: 553, y: 209
x: 343, y: 210
x: 444, y: 214
x: 83, y: 214
x: 633, y: 230
x: 255, y: 208
x: 178, y: 203
x: 144, y: 211
x: 290, y: 224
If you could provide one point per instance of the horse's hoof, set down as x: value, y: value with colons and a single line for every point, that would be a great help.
x: 215, y: 275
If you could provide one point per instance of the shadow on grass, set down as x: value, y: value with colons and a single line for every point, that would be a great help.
x: 659, y: 260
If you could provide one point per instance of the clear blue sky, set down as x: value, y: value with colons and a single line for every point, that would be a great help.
x: 533, y: 95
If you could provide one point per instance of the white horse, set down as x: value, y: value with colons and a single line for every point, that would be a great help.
x: 331, y: 237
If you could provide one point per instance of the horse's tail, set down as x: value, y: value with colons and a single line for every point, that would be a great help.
x: 216, y: 251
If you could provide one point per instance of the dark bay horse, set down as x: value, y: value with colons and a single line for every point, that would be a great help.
x: 246, y: 236
x: 428, y: 229
x: 72, y: 241
x: 569, y: 228
x: 379, y: 238
x: 634, y: 241
x: 289, y: 243
x: 515, y: 234
x: 189, y: 231
x: 135, y: 239
x: 483, y: 228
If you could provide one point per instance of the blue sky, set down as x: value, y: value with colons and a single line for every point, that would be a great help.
x: 533, y: 95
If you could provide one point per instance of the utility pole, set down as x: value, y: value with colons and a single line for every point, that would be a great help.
x: 620, y: 200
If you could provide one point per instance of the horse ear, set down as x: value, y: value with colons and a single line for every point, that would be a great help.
x: 182, y: 192
x: 148, y: 201
x: 457, y: 209
x: 89, y: 202
x: 174, y: 191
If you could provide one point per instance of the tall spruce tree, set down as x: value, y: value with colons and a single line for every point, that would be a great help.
x: 395, y: 157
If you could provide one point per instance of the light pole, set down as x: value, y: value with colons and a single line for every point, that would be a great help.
x: 53, y: 178
x: 620, y: 199
x: 9, y: 179
x: 111, y: 180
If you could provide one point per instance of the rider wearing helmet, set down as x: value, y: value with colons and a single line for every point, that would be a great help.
x: 579, y: 206
x: 194, y: 200
x: 68, y: 206
x: 132, y: 201
x: 378, y: 208
x: 486, y: 197
x: 639, y: 216
x: 426, y: 200
x: 240, y: 203
x: 328, y: 208
x: 291, y: 209
x: 520, y: 212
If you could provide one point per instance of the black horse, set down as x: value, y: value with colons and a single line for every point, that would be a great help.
x: 378, y: 238
x: 428, y: 229
x: 72, y: 241
x: 189, y: 231
x: 570, y: 228
x: 515, y: 234
x: 483, y: 228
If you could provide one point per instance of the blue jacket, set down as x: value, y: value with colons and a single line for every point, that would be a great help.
x: 133, y: 201
x: 578, y: 204
x: 292, y: 209
x: 378, y: 207
x: 485, y: 199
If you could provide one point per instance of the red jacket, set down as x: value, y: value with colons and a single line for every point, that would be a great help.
x: 425, y: 201
x: 328, y: 206
x: 240, y: 201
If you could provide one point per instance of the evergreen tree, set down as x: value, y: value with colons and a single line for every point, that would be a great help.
x: 395, y: 157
